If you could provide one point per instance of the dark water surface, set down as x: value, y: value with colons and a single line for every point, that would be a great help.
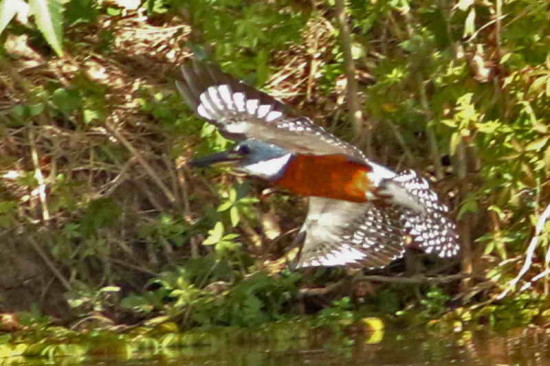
x: 244, y: 348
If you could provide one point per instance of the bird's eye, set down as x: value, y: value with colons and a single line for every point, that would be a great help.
x: 243, y: 149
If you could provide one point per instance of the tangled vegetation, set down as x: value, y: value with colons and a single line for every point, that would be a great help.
x: 103, y: 223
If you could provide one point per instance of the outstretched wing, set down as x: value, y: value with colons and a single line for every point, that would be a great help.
x: 375, y: 233
x: 347, y: 233
x: 432, y: 231
x: 242, y: 112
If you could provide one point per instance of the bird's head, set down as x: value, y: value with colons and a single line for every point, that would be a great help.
x: 253, y: 157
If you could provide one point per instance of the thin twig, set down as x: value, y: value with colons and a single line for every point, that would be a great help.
x: 399, y: 137
x: 498, y: 28
x: 534, y: 280
x: 42, y: 187
x: 49, y: 263
x: 119, y: 179
x: 318, y: 291
x: 182, y: 181
x: 530, y: 252
x: 150, y: 171
x: 496, y: 21
x: 139, y: 268
x: 415, y: 279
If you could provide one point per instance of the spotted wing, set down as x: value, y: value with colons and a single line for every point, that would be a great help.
x: 242, y: 112
x: 419, y: 188
x: 348, y: 233
x: 431, y: 231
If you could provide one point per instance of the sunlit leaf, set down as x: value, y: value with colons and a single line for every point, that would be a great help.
x: 538, y: 144
x: 225, y: 206
x: 49, y: 19
x: 464, y: 4
x: 470, y: 23
x: 215, y: 234
x: 8, y: 8
x: 234, y: 216
x: 110, y: 289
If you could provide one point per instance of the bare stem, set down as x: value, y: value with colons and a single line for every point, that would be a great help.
x: 466, y: 223
x: 42, y: 187
x: 354, y: 105
x: 434, y: 149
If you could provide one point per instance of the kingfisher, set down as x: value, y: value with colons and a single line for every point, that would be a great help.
x: 360, y: 213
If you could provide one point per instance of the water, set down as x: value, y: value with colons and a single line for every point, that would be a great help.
x: 322, y: 348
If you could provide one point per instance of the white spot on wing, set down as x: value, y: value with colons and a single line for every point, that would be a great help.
x: 239, y: 100
x: 237, y: 127
x: 213, y: 93
x: 203, y: 113
x: 273, y: 115
x: 225, y: 93
x: 263, y: 110
x: 252, y: 106
x: 206, y: 104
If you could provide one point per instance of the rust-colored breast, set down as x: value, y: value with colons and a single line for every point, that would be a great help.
x: 331, y: 176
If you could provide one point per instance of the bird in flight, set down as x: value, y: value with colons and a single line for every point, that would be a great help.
x: 360, y: 213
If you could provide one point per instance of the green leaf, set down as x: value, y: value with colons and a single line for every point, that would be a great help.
x: 66, y: 100
x: 464, y: 4
x: 214, y: 235
x: 35, y: 109
x: 225, y: 206
x: 469, y: 205
x: 234, y: 215
x: 49, y: 19
x: 136, y: 302
x: 470, y: 23
x: 232, y: 194
x: 8, y: 9
x: 90, y: 115
x: 538, y: 144
x: 110, y: 289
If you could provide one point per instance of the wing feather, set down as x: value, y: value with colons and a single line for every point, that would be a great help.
x: 242, y: 112
x: 348, y: 233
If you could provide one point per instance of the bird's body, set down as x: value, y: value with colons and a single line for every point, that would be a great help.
x: 330, y: 176
x: 359, y: 212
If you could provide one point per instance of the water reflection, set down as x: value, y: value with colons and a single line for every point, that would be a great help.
x: 322, y: 348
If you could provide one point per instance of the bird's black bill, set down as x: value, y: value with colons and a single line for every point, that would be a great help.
x: 217, y: 158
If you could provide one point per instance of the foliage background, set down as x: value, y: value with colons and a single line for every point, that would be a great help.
x: 97, y: 206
